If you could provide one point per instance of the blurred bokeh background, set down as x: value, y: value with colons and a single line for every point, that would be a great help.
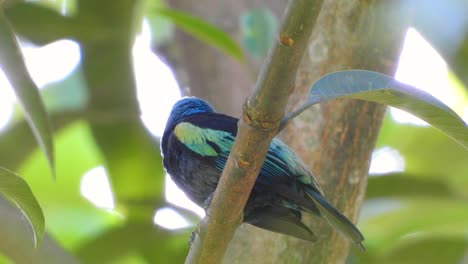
x: 109, y: 72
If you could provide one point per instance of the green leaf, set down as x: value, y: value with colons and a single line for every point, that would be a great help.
x: 70, y: 216
x: 5, y: 260
x: 18, y: 191
x: 403, y: 185
x: 258, y: 28
x: 427, y: 249
x: 417, y: 144
x: 12, y: 63
x: 431, y: 217
x: 39, y: 24
x: 416, y: 249
x: 380, y: 88
x: 204, y: 31
x: 116, y: 243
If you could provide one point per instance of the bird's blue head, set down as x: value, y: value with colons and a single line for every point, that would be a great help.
x: 186, y: 107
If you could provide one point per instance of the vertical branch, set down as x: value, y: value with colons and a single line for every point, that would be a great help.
x: 262, y: 113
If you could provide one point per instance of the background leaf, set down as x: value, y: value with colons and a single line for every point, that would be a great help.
x: 403, y: 185
x: 258, y: 28
x: 50, y: 25
x: 18, y: 191
x: 435, y: 249
x: 70, y: 217
x: 428, y: 155
x: 28, y: 95
x: 204, y: 31
x: 120, y: 242
x: 427, y: 217
x: 380, y: 88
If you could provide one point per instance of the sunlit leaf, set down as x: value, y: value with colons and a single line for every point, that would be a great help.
x: 380, y: 88
x: 28, y: 95
x: 204, y: 31
x: 258, y: 28
x: 18, y: 191
x: 5, y: 260
x: 70, y: 216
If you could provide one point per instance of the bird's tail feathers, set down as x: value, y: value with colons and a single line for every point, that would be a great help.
x: 281, y: 220
x: 335, y: 218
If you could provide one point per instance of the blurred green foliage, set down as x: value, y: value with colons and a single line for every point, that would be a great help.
x: 96, y: 122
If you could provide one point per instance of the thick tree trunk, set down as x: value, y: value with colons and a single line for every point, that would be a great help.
x: 335, y: 138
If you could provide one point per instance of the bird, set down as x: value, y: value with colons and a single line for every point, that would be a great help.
x: 195, y: 146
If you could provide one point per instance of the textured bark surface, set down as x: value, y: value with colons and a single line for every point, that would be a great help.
x: 336, y: 138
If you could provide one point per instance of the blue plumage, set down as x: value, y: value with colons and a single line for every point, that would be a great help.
x: 195, y: 146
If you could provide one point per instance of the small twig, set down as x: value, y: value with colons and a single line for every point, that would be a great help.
x: 262, y: 114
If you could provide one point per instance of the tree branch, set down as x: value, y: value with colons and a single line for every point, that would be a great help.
x: 262, y: 113
x: 335, y: 138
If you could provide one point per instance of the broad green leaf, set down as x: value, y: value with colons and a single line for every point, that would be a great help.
x: 380, y: 88
x: 258, y: 28
x: 18, y: 191
x: 401, y: 185
x: 11, y: 62
x: 204, y: 31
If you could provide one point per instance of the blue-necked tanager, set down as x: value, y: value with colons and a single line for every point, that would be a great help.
x: 195, y: 146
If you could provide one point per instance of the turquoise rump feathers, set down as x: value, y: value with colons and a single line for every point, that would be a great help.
x: 195, y: 146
